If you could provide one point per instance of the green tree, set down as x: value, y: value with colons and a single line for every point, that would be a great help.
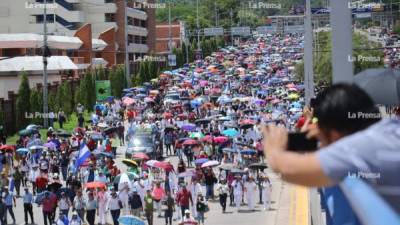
x: 117, y: 80
x: 100, y: 74
x: 36, y: 104
x: 66, y: 103
x: 23, y: 102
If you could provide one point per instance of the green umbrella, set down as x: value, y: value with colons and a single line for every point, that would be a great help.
x: 196, y: 135
x: 131, y: 176
x: 25, y: 132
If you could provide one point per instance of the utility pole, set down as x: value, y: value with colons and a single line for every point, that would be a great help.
x: 45, y: 90
x: 169, y: 29
x: 216, y: 14
x: 308, y: 54
x: 231, y: 14
x: 198, y: 29
x: 127, y: 63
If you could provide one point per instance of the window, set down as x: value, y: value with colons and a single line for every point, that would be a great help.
x: 109, y: 17
x: 108, y: 1
x: 144, y: 40
x: 143, y: 23
x: 50, y: 18
x: 130, y: 39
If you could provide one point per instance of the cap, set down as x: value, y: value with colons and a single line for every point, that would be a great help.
x: 187, y: 211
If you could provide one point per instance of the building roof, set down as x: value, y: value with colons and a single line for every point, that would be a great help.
x: 35, y: 63
x: 98, y: 44
x: 28, y: 40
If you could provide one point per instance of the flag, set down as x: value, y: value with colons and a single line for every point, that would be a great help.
x: 84, y: 153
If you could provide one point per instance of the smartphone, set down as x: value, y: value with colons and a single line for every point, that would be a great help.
x: 298, y: 142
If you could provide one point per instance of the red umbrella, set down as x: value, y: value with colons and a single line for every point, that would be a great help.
x: 182, y: 116
x: 95, y: 184
x: 220, y: 139
x: 164, y: 165
x: 167, y: 115
x: 190, y: 142
x: 7, y: 148
x: 247, y: 121
x: 141, y: 155
x: 207, y: 138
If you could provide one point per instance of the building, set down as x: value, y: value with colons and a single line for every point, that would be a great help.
x: 162, y: 36
x: 65, y: 17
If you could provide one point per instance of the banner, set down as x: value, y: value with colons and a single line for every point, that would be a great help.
x: 103, y: 90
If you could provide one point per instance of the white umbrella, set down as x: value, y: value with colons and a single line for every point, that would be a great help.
x: 210, y: 164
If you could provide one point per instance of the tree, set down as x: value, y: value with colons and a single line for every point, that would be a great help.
x: 100, y: 74
x: 87, y: 91
x: 36, y: 104
x: 67, y: 99
x: 23, y: 102
x: 117, y: 80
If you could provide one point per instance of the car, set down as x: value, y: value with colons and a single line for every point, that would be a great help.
x: 141, y: 143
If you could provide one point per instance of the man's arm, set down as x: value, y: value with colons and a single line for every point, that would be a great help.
x: 302, y: 169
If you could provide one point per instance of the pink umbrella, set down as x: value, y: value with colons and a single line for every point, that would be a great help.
x: 152, y: 163
x: 220, y: 139
x: 128, y: 101
x: 190, y: 142
x: 207, y: 138
x: 210, y: 164
x: 203, y: 83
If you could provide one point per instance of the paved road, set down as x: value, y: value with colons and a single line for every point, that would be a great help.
x: 283, y: 207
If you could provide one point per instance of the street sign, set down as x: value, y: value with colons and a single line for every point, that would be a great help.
x: 241, y: 31
x: 266, y: 29
x: 103, y: 89
x: 171, y: 60
x: 214, y: 31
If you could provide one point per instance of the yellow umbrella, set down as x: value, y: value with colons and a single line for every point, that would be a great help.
x: 129, y: 162
x: 293, y: 96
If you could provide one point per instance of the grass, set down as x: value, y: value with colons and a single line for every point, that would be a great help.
x: 68, y: 126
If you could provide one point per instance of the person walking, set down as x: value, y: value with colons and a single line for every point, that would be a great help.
x: 184, y: 197
x: 28, y: 199
x: 266, y: 192
x: 102, y: 201
x: 210, y: 180
x: 201, y: 209
x: 3, y: 211
x: 48, y: 206
x: 169, y: 209
x: 223, y: 190
x: 195, y: 190
x: 158, y: 195
x: 149, y: 207
x: 114, y: 205
x: 91, y: 206
x: 250, y: 188
x: 135, y: 202
x: 78, y: 205
x: 9, y: 199
x: 64, y: 204
x: 237, y: 186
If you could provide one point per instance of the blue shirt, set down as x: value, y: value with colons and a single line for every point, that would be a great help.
x: 372, y: 155
x: 8, y: 199
x: 28, y: 198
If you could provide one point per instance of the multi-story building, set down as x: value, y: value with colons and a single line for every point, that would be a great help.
x: 64, y: 17
x: 162, y: 36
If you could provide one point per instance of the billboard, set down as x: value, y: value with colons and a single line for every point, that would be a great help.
x: 241, y: 31
x: 103, y: 90
x: 214, y: 31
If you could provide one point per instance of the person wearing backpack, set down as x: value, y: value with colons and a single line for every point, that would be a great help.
x: 201, y: 208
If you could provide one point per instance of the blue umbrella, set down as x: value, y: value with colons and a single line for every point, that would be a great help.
x: 230, y: 150
x: 130, y: 220
x: 230, y: 132
x: 40, y: 196
x: 201, y: 161
x: 22, y: 151
x: 295, y: 105
x: 248, y: 152
x: 106, y: 154
x: 195, y: 103
x: 188, y: 127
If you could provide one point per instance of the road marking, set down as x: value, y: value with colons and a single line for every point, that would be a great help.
x: 302, y: 206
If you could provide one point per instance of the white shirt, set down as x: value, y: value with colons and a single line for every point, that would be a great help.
x: 237, y: 187
x: 250, y: 187
x: 64, y: 203
x: 195, y: 190
x: 223, y: 188
x: 113, y: 203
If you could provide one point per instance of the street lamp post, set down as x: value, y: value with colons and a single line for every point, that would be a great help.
x: 127, y: 63
x: 308, y: 54
x: 198, y: 28
x: 44, y: 53
x: 169, y: 29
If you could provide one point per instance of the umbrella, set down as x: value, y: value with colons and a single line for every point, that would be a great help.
x: 227, y: 166
x: 220, y: 139
x: 129, y: 162
x: 95, y: 184
x: 169, y: 128
x: 189, y: 173
x: 140, y: 155
x: 125, y: 177
x: 246, y: 126
x: 201, y: 161
x: 55, y: 186
x: 167, y: 115
x: 36, y: 147
x: 109, y: 130
x: 256, y: 166
x: 164, y: 165
x: 151, y: 163
x: 230, y: 150
x: 63, y: 133
x: 202, y: 121
x: 7, y: 148
x: 50, y: 145
x: 188, y: 127
x: 106, y: 154
x: 383, y: 85
x: 190, y: 142
x: 68, y: 192
x: 41, y: 195
x: 130, y: 220
x: 25, y: 132
x: 22, y: 151
x: 196, y: 135
x: 238, y: 171
x: 230, y: 132
x: 210, y: 164
x: 248, y: 152
x: 207, y: 138
x: 32, y: 127
x: 128, y: 101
